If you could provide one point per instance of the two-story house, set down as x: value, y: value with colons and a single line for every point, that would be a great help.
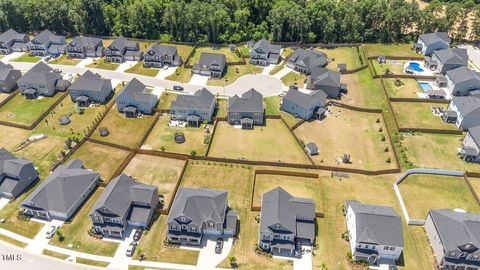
x: 263, y: 53
x: 198, y: 213
x: 286, y: 223
x: 122, y: 50
x: 462, y: 80
x: 159, y: 56
x: 470, y: 150
x: 374, y: 232
x: 247, y: 110
x: 12, y: 41
x: 304, y: 61
x: 16, y: 175
x: 428, y: 43
x: 125, y: 202
x: 62, y: 192
x: 90, y: 87
x: 211, y: 64
x: 47, y: 43
x: 455, y: 238
x: 41, y: 80
x: 304, y: 105
x: 326, y: 80
x: 83, y: 47
x: 135, y: 98
x: 194, y: 109
x: 464, y: 111
x: 447, y: 59
x: 8, y: 78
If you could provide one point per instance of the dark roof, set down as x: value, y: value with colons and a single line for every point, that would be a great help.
x: 39, y: 73
x: 306, y: 100
x: 11, y: 34
x: 462, y: 74
x: 468, y: 105
x: 163, y: 49
x: 208, y: 59
x: 475, y: 133
x: 201, y: 100
x: 121, y: 43
x: 430, y: 38
x: 452, y: 56
x: 263, y: 46
x: 83, y: 41
x: 46, y: 36
x: 250, y: 101
x: 13, y: 170
x: 90, y: 81
x: 324, y: 76
x: 308, y: 58
x: 137, y: 90
x: 377, y: 224
x: 312, y: 147
x: 5, y: 71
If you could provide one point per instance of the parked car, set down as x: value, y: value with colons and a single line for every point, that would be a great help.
x: 138, y: 235
x: 178, y: 88
x: 166, y: 67
x: 219, y: 246
x: 57, y: 70
x: 51, y: 232
x: 131, y: 249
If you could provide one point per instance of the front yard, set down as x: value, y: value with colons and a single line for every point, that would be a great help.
x: 344, y: 55
x: 419, y: 115
x: 408, y: 88
x: 102, y: 64
x: 233, y: 73
x: 139, y: 69
x: 65, y: 60
x: 294, y: 78
x: 26, y: 58
x: 272, y: 142
x: 272, y: 107
x: 181, y: 74
x: 231, y: 56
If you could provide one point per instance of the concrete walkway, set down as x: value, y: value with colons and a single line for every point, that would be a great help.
x: 126, y: 65
x: 305, y: 262
x: 266, y: 70
x: 120, y: 259
x: 207, y: 256
x: 163, y: 73
x: 11, y: 56
x: 40, y: 240
x: 284, y: 71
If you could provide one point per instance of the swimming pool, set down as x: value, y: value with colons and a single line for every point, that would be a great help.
x: 426, y: 87
x: 415, y: 67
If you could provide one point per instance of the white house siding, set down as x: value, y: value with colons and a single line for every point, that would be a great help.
x: 42, y: 89
x: 468, y: 141
x: 434, y: 239
x: 351, y: 226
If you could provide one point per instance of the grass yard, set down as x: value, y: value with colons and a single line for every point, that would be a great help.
x: 139, y: 69
x: 231, y: 56
x: 76, y: 232
x: 398, y: 49
x: 395, y: 68
x: 26, y: 58
x: 272, y: 107
x: 166, y: 99
x: 65, y: 60
x: 419, y: 115
x: 272, y: 142
x: 157, y: 171
x: 20, y: 110
x: 408, y: 89
x: 277, y: 68
x: 162, y: 136
x: 4, y: 96
x: 233, y: 73
x: 181, y: 74
x: 475, y: 182
x: 100, y: 158
x: 54, y: 254
x: 124, y: 131
x: 344, y: 55
x: 11, y: 137
x: 363, y: 91
x: 334, y: 134
x: 423, y: 192
x: 12, y: 241
x: 222, y: 107
x: 102, y: 64
x: 92, y: 262
x: 302, y: 187
x: 294, y: 78
x: 183, y: 50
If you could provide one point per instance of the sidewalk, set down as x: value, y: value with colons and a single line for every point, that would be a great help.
x: 40, y: 240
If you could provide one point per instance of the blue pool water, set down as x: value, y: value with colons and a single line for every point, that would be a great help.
x: 426, y: 87
x: 415, y: 66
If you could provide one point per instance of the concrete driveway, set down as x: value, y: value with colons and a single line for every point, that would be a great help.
x: 126, y: 65
x: 120, y: 259
x: 284, y: 71
x: 3, y: 203
x: 163, y: 73
x: 305, y: 262
x: 207, y: 256
x: 266, y: 70
x: 473, y: 54
x: 86, y: 61
x: 40, y: 240
x: 11, y: 56
x: 199, y: 80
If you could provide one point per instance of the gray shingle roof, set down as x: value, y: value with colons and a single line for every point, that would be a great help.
x: 90, y: 81
x: 306, y: 100
x: 250, y: 101
x: 137, y: 90
x: 121, y: 43
x: 462, y: 74
x: 199, y: 205
x: 202, y: 100
x: 475, y: 133
x: 39, y: 73
x: 46, y: 36
x: 263, y: 46
x: 430, y: 38
x: 63, y: 188
x: 5, y: 71
x: 208, y: 59
x: 279, y: 207
x: 377, y: 224
x: 11, y: 34
x: 468, y: 105
x: 324, y: 76
x: 12, y: 171
x: 83, y: 41
x: 308, y: 58
x: 163, y: 49
x: 452, y: 56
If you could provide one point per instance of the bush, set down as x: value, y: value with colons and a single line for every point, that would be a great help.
x: 383, y: 138
x: 162, y: 148
x: 380, y: 129
x: 386, y: 149
x: 389, y: 160
x: 193, y: 153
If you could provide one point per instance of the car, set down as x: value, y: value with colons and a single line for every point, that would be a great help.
x: 57, y: 70
x: 138, y: 234
x: 131, y: 249
x: 219, y: 246
x: 178, y: 88
x: 166, y: 67
x: 51, y: 232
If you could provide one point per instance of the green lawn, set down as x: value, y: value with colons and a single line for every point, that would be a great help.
x: 423, y: 192
x: 407, y: 89
x: 344, y: 55
x: 294, y: 78
x: 231, y: 56
x: 166, y: 99
x: 277, y: 68
x: 391, y: 68
x: 102, y: 64
x: 222, y: 107
x: 272, y: 107
x: 20, y: 110
x: 181, y: 75
x: 141, y: 70
x: 398, y: 49
x: 65, y: 60
x: 183, y: 50
x: 92, y: 262
x: 419, y: 115
x: 244, y: 50
x: 233, y: 73
x: 55, y: 254
x: 26, y: 58
x: 12, y: 241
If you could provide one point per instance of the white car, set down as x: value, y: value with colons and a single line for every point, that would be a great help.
x: 166, y: 67
x: 51, y: 232
x: 131, y: 249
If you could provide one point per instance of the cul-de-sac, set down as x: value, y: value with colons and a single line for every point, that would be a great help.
x: 217, y: 134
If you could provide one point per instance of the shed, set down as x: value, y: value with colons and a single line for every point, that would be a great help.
x: 311, y: 148
x: 342, y: 67
x: 381, y: 59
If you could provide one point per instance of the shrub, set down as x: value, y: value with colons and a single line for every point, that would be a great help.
x: 383, y: 138
x: 378, y: 120
x: 162, y: 148
x: 389, y: 160
x: 380, y: 129
x: 386, y: 149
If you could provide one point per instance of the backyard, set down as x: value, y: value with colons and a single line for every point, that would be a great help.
x: 139, y: 69
x: 272, y: 107
x: 344, y: 55
x: 181, y: 74
x: 272, y: 142
x: 363, y: 91
x: 408, y: 88
x: 11, y: 137
x: 162, y: 136
x: 231, y: 56
x: 102, y: 64
x: 419, y: 115
x: 391, y: 67
x: 4, y: 96
x: 370, y: 150
x: 65, y: 60
x: 398, y: 49
x: 294, y: 78
x: 26, y: 58
x: 233, y: 73
x: 422, y: 192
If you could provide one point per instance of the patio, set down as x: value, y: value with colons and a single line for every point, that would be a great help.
x: 417, y: 68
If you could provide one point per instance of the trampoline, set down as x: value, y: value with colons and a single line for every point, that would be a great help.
x: 64, y: 120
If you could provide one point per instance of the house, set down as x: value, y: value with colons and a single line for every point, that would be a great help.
x: 134, y: 99
x: 304, y: 61
x: 16, y: 175
x: 211, y: 64
x: 8, y: 78
x: 125, y: 202
x: 462, y: 80
x: 464, y: 111
x: 62, y: 192
x: 375, y: 233
x: 455, y: 238
x: 198, y: 213
x: 159, y: 56
x: 304, y: 105
x: 470, y: 150
x: 47, y: 43
x: 247, y: 110
x: 12, y: 41
x: 263, y: 53
x: 447, y: 59
x: 286, y: 223
x: 194, y: 109
x: 122, y: 50
x: 83, y: 47
x: 326, y: 80
x: 41, y: 80
x: 90, y: 87
x: 428, y: 43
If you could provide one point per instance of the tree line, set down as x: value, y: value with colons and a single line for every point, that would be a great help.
x: 232, y: 21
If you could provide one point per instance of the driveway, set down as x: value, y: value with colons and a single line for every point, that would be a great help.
x: 473, y: 54
x: 3, y: 203
x: 11, y: 56
x: 163, y: 73
x: 120, y: 259
x: 207, y: 256
x: 86, y: 61
x: 305, y: 262
x: 126, y: 65
x: 40, y: 240
x: 266, y: 70
x: 199, y: 80
x: 284, y: 71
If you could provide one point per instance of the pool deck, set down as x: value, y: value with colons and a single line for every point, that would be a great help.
x: 433, y: 87
x: 425, y: 72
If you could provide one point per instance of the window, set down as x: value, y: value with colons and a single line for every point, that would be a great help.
x: 385, y: 248
x: 366, y: 246
x: 392, y: 248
